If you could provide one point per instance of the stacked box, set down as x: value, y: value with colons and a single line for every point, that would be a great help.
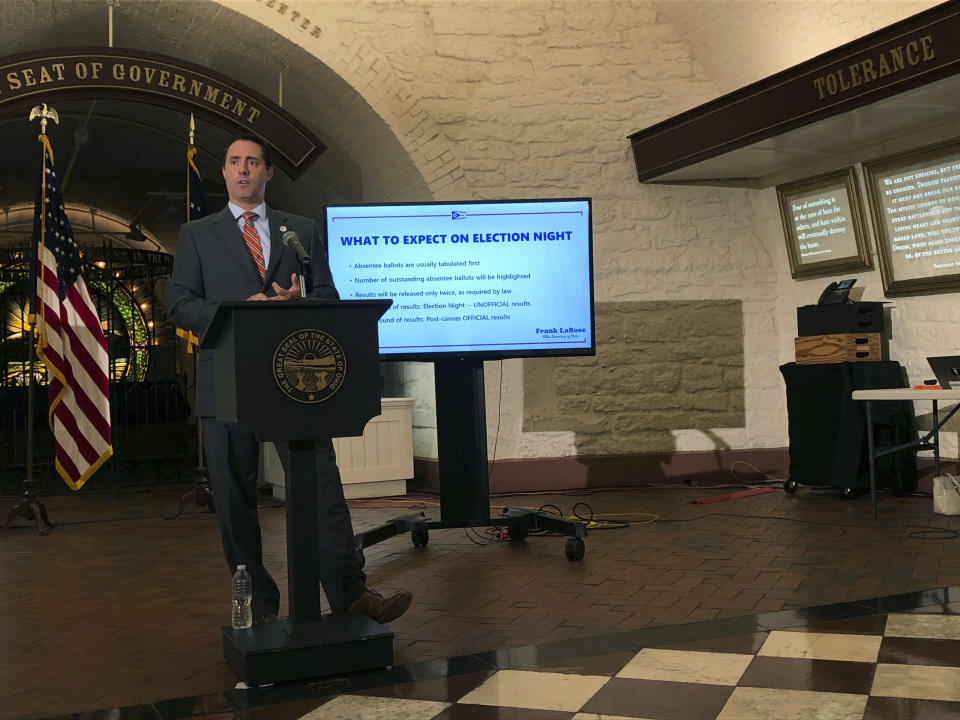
x: 839, y: 347
x: 852, y: 317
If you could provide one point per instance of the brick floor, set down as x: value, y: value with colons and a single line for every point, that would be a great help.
x: 120, y: 606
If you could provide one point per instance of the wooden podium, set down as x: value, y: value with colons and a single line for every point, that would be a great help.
x: 300, y: 371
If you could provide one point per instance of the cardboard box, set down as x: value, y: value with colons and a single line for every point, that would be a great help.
x: 842, y: 347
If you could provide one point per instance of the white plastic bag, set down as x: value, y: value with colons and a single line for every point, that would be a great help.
x: 946, y: 495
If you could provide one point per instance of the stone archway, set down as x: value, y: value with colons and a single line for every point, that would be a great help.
x: 380, y: 146
x: 372, y: 80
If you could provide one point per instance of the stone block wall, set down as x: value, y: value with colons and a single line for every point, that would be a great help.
x: 659, y: 366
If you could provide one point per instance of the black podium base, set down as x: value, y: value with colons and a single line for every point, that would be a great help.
x: 272, y: 652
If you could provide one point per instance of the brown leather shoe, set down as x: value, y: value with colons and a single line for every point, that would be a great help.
x: 379, y: 608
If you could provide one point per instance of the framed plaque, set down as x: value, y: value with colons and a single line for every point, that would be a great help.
x: 914, y: 202
x: 823, y: 225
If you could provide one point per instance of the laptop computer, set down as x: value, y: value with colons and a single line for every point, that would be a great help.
x: 947, y: 371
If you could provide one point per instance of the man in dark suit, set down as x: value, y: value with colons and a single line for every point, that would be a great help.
x: 237, y: 254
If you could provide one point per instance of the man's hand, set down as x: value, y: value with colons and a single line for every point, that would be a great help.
x: 291, y: 293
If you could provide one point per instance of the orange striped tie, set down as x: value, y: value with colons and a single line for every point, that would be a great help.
x: 252, y: 238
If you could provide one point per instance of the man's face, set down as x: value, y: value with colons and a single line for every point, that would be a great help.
x: 245, y: 174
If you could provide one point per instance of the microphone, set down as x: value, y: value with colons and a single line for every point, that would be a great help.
x: 292, y: 241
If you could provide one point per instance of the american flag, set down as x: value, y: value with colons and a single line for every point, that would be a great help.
x: 70, y: 340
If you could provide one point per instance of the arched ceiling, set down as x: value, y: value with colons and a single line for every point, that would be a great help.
x: 128, y: 158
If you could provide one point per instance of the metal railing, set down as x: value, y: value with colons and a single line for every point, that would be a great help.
x: 154, y: 440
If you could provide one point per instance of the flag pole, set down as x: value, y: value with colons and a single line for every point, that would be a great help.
x: 201, y: 494
x: 30, y: 508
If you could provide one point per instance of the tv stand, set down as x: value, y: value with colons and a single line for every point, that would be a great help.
x: 464, y: 479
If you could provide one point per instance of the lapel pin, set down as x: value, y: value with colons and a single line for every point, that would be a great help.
x: 283, y: 228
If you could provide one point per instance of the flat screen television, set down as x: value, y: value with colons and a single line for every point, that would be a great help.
x: 488, y: 280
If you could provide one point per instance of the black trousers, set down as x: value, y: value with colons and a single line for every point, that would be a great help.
x: 232, y: 454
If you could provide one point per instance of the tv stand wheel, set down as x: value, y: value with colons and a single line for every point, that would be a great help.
x: 790, y: 487
x: 420, y: 537
x: 517, y: 532
x: 575, y: 549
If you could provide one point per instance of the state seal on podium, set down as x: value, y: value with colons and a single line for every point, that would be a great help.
x: 309, y: 366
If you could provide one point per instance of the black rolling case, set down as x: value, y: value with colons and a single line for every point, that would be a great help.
x: 827, y: 428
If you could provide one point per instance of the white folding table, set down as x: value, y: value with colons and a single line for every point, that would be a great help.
x: 930, y: 441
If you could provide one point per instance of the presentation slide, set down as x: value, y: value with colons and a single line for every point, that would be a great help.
x: 823, y: 225
x: 505, y: 278
x: 920, y: 207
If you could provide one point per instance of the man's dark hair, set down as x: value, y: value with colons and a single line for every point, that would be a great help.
x: 264, y: 152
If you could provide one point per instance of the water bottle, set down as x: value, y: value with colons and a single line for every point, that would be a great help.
x: 242, y: 595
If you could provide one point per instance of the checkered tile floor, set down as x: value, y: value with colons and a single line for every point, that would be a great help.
x: 766, y: 597
x: 884, y: 659
x: 899, y: 665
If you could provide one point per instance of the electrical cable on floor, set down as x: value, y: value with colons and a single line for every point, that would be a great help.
x: 712, y: 486
x: 934, y: 534
x: 550, y: 506
x: 948, y: 533
x: 406, y: 502
x: 770, y: 478
x: 596, y: 523
x: 548, y: 509
x: 477, y: 538
x: 612, y: 489
x: 565, y: 493
x: 583, y: 513
x: 649, y: 517
x: 97, y: 521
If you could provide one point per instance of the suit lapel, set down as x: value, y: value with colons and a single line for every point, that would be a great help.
x: 278, y: 226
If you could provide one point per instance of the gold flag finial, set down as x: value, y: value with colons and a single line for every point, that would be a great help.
x: 44, y: 113
x: 192, y: 128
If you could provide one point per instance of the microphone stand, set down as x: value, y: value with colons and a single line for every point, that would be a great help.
x: 292, y: 242
x: 304, y: 274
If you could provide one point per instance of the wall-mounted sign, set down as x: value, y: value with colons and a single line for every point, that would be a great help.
x: 915, y: 205
x: 911, y: 53
x: 48, y: 75
x: 823, y: 224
